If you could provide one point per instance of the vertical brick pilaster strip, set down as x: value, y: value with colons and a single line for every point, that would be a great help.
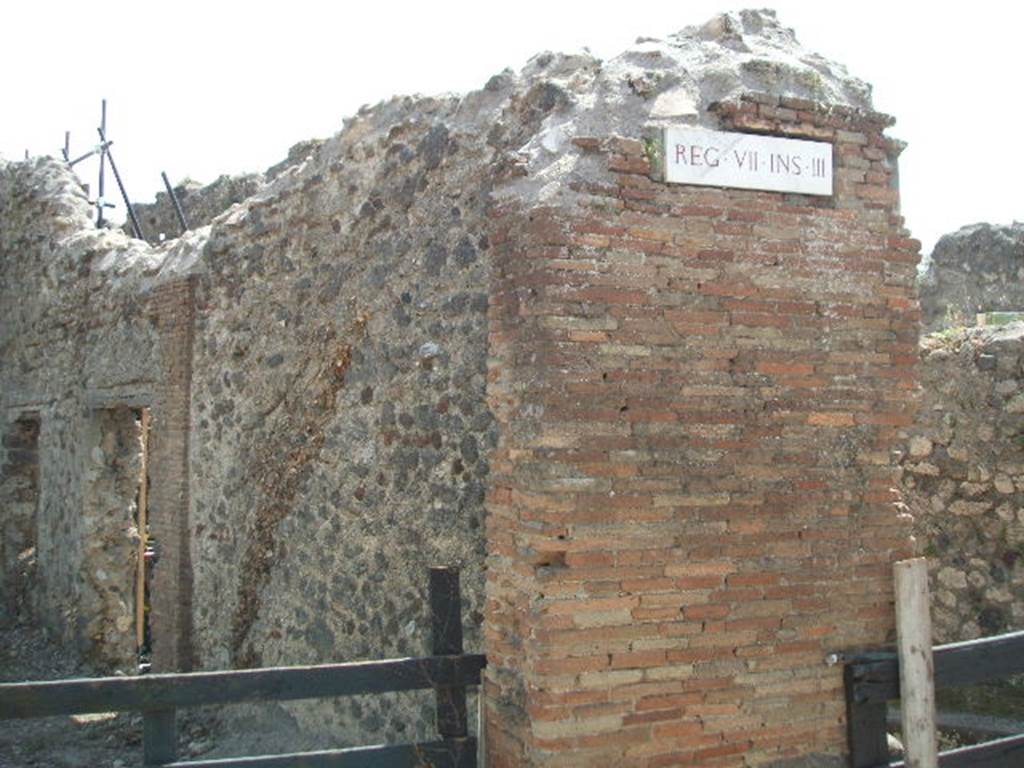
x: 173, y: 308
x: 504, y: 700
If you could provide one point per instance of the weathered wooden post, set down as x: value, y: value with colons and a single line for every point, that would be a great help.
x: 446, y: 637
x: 917, y: 670
x: 159, y: 736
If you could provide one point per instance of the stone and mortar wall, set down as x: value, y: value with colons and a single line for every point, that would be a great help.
x: 79, y: 343
x: 978, y: 268
x: 201, y: 204
x: 692, y: 500
x: 340, y: 427
x: 19, y: 488
x: 963, y: 479
x: 320, y: 432
x: 110, y: 478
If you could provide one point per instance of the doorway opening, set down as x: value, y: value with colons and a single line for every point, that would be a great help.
x: 117, y: 543
x: 146, y: 552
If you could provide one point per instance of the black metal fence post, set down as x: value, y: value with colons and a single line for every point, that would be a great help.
x: 865, y: 726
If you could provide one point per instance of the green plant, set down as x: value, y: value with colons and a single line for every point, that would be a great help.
x: 951, y: 337
x: 653, y: 152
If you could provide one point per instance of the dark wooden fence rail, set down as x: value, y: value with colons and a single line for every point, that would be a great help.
x: 158, y: 697
x: 873, y: 679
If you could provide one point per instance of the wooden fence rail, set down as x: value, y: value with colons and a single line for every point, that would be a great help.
x: 448, y: 672
x: 872, y: 679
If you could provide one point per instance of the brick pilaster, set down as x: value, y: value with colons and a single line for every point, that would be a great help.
x: 172, y: 306
x: 692, y: 499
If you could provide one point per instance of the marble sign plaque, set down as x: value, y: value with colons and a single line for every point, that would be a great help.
x: 747, y: 161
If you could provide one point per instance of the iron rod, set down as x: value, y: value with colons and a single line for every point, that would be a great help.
x: 124, y: 195
x: 174, y: 200
x: 103, y: 158
x: 80, y: 158
x: 87, y: 155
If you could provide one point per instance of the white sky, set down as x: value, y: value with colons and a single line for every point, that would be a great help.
x: 204, y: 88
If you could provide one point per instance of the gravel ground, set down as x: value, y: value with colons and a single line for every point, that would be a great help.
x: 103, y: 740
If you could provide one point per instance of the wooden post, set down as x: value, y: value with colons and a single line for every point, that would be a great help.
x: 159, y: 736
x: 917, y: 670
x: 446, y: 634
x: 140, y: 571
x: 481, y: 729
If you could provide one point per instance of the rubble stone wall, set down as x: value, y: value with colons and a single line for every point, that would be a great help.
x: 963, y: 479
x: 78, y: 339
x: 978, y: 268
x: 110, y: 478
x: 340, y: 427
x: 19, y: 487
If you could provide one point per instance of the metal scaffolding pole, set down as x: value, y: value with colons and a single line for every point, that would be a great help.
x: 174, y: 201
x: 124, y: 195
x: 100, y: 201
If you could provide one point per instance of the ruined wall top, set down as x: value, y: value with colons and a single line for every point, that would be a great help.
x: 41, y: 199
x: 532, y: 117
x: 520, y: 127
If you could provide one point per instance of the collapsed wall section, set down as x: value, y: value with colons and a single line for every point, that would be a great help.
x: 693, y: 501
x: 200, y: 204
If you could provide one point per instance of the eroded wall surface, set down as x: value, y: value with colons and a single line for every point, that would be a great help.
x: 19, y: 489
